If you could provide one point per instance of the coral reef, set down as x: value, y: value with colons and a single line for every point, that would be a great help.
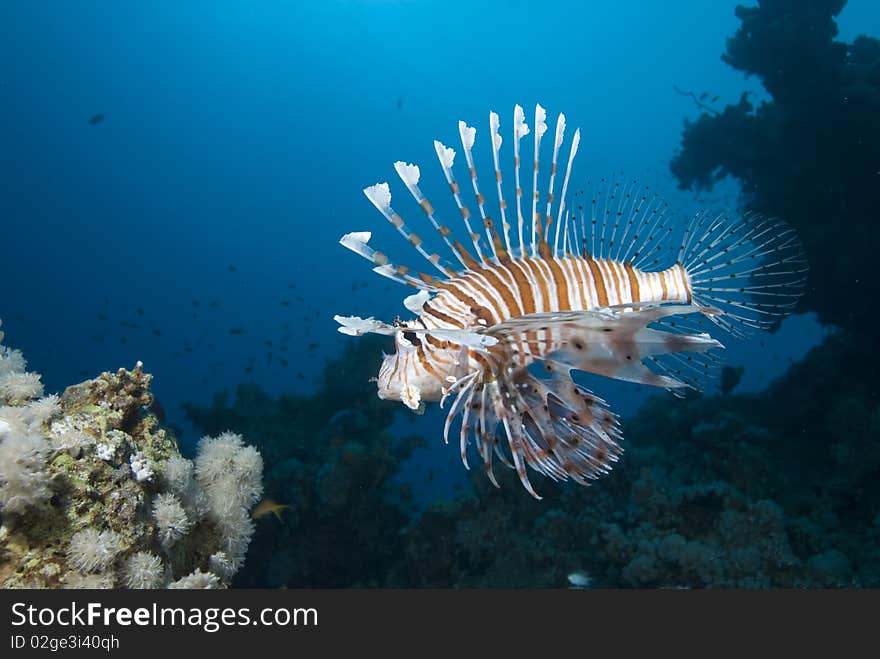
x: 333, y: 460
x: 773, y: 489
x: 810, y: 154
x: 753, y: 491
x: 95, y: 494
x: 736, y: 490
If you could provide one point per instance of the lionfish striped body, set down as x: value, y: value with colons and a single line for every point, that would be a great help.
x: 602, y: 291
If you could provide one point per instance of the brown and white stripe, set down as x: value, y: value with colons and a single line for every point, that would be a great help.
x: 495, y: 292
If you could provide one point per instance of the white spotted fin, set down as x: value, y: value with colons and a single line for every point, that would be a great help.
x: 612, y: 341
x: 551, y: 424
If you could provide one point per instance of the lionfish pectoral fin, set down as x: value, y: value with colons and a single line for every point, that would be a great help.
x: 554, y: 427
x: 570, y: 432
x: 357, y: 326
x: 612, y: 341
x: 699, y: 371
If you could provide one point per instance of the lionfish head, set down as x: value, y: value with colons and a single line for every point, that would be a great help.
x: 403, y: 375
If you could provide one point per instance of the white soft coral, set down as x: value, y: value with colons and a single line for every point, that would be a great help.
x: 230, y: 474
x: 24, y: 480
x: 18, y: 388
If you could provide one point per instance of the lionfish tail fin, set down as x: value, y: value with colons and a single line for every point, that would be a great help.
x: 752, y: 269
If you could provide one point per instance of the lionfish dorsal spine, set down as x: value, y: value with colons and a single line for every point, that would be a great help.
x: 380, y: 196
x: 357, y: 243
x: 520, y: 130
x: 495, y: 138
x: 468, y: 135
x: 410, y: 175
x: 540, y: 129
x: 558, y: 139
x: 446, y: 156
x: 575, y: 142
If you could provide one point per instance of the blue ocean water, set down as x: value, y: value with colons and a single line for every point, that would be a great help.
x: 194, y: 225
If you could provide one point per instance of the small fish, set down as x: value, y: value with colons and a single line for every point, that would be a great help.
x: 236, y: 331
x: 730, y: 377
x: 233, y: 268
x: 579, y: 579
x: 267, y: 506
x: 714, y: 99
x: 616, y: 286
x: 96, y: 119
x: 703, y: 95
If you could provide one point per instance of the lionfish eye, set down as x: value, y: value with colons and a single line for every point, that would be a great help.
x: 412, y: 338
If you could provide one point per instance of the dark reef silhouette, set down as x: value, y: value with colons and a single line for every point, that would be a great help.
x: 811, y: 155
x: 775, y: 489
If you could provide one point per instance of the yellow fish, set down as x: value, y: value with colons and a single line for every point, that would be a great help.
x: 267, y: 506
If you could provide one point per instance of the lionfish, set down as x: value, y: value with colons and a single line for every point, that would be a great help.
x: 604, y: 289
